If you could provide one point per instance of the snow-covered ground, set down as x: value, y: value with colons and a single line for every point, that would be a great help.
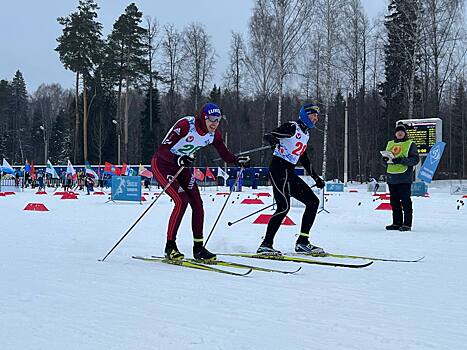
x: 55, y: 294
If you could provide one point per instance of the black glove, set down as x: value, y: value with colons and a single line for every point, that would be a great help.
x: 320, y: 182
x: 273, y: 141
x: 185, y: 160
x: 386, y: 159
x: 243, y: 161
x: 397, y: 160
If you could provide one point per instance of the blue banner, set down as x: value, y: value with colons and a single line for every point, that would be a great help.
x: 419, y: 189
x: 334, y: 187
x: 126, y: 188
x: 428, y: 169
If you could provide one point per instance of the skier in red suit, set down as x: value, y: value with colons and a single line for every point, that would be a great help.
x: 185, y: 138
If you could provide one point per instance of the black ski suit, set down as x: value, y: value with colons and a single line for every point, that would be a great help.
x: 287, y: 184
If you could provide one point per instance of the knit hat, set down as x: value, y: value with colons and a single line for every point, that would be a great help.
x: 400, y: 127
x: 305, y: 111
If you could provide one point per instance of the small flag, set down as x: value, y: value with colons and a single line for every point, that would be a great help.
x: 89, y: 170
x: 209, y: 174
x: 222, y: 173
x: 50, y: 170
x: 198, y: 174
x: 27, y: 166
x: 110, y: 168
x: 126, y: 170
x: 32, y: 171
x: 70, y: 170
x: 144, y: 172
x: 6, y: 168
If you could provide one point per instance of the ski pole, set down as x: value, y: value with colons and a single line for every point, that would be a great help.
x: 258, y: 149
x: 144, y: 212
x: 245, y: 217
x: 223, y: 207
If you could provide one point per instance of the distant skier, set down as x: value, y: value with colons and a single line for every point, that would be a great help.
x: 399, y: 178
x: 290, y: 143
x: 185, y: 138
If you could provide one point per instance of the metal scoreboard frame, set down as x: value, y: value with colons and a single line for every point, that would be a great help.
x: 425, y: 124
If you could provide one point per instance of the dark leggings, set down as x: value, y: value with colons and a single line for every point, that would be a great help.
x: 401, y: 203
x: 286, y: 184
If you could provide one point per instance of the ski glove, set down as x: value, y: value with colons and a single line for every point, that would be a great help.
x: 185, y: 160
x: 397, y: 160
x: 273, y: 141
x: 319, y: 181
x: 243, y: 161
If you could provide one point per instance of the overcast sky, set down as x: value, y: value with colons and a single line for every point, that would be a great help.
x: 28, y: 30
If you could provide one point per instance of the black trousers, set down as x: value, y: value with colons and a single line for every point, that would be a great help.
x: 286, y: 184
x: 402, y: 212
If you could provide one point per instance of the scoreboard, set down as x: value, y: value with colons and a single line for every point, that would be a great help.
x: 424, y: 132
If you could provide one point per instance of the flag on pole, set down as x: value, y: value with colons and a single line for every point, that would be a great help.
x: 222, y: 173
x: 126, y: 170
x: 110, y: 168
x: 144, y: 172
x: 89, y: 170
x: 27, y: 166
x: 70, y: 170
x: 32, y: 171
x: 209, y: 174
x: 50, y: 170
x: 198, y: 174
x: 6, y: 167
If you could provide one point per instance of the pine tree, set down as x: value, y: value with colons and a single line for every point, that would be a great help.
x: 126, y: 60
x: 6, y: 120
x: 458, y: 135
x: 79, y: 48
x: 20, y: 110
x: 215, y: 95
x: 401, y: 60
x: 56, y: 139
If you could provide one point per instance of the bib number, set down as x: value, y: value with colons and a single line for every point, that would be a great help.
x: 300, y: 148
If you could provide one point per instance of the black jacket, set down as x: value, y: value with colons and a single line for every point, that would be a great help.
x: 284, y: 131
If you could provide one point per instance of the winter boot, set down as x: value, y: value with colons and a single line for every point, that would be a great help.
x: 405, y: 228
x: 172, y: 252
x: 308, y: 248
x: 267, y: 249
x: 201, y: 253
x: 393, y: 227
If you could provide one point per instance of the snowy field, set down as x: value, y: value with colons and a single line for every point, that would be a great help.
x: 55, y: 294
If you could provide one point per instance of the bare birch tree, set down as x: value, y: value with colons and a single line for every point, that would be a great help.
x: 330, y: 20
x: 171, y: 66
x: 199, y: 60
x: 443, y: 30
x: 260, y: 58
x: 290, y: 24
x: 152, y: 45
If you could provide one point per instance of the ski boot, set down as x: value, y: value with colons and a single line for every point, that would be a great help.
x: 308, y: 248
x: 267, y: 249
x: 201, y: 253
x: 172, y: 252
x: 393, y: 227
x: 405, y: 228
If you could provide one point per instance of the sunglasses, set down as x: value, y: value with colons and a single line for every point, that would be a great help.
x: 214, y: 119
